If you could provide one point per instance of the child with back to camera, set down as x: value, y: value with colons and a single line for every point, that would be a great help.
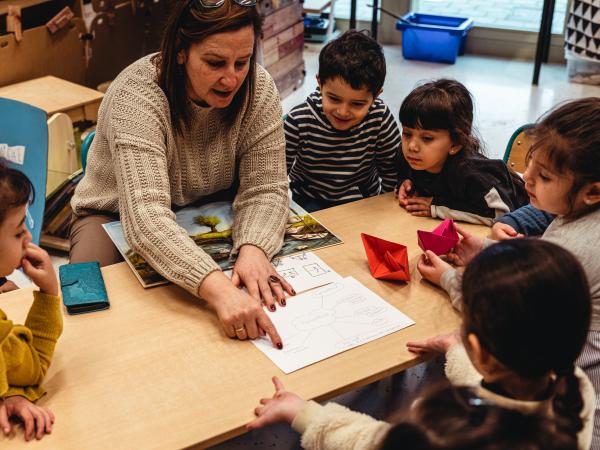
x: 442, y: 171
x: 25, y: 350
x: 525, y: 309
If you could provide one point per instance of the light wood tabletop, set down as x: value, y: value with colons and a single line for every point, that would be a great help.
x: 54, y: 95
x: 155, y: 370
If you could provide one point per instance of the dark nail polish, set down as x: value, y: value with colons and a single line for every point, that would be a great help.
x: 272, y: 307
x: 282, y: 302
x: 279, y: 345
x: 273, y: 279
x: 293, y: 292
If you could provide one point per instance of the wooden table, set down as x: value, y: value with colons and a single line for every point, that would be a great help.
x: 155, y: 371
x: 54, y: 95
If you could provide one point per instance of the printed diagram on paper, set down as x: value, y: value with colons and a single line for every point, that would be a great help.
x: 328, y: 321
x: 305, y: 271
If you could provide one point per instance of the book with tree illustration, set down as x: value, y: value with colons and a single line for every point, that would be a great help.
x: 210, y: 226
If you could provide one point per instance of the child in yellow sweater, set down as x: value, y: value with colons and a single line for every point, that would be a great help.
x: 25, y: 350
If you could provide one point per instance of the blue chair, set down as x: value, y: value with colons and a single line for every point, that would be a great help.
x: 85, y: 148
x: 24, y: 146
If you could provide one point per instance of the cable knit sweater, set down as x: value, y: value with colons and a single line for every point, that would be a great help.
x: 139, y: 167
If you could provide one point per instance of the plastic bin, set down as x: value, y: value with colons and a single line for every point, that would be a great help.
x: 433, y: 38
x: 582, y: 70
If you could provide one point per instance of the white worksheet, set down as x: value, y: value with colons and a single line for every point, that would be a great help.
x: 327, y: 321
x: 303, y: 271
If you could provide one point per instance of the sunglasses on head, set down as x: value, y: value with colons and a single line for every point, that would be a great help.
x: 209, y: 4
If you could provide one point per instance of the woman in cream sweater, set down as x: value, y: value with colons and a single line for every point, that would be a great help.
x: 198, y: 118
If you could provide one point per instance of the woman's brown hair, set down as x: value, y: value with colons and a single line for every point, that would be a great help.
x: 188, y: 24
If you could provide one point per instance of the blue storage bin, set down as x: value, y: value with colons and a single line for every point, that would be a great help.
x: 433, y: 38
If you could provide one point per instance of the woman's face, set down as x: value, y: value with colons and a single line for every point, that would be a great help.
x: 217, y: 66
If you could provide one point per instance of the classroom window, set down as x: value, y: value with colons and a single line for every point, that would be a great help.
x: 363, y: 12
x: 506, y: 14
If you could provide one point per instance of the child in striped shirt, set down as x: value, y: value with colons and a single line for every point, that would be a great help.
x: 342, y: 142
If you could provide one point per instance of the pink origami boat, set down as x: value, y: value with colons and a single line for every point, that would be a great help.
x: 387, y: 260
x: 441, y: 240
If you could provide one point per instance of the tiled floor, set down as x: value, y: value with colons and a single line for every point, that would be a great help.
x: 505, y: 99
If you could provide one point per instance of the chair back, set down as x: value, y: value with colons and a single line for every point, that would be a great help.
x: 24, y: 146
x: 515, y: 155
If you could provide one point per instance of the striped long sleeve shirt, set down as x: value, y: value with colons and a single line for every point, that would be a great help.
x: 337, y: 166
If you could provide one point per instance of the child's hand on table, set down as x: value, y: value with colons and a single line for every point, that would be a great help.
x: 37, y: 266
x: 466, y: 249
x: 419, y: 206
x: 37, y: 420
x: 282, y: 407
x: 404, y: 192
x: 432, y: 267
x: 503, y: 231
x: 436, y: 344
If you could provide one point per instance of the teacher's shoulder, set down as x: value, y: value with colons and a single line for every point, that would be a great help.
x: 266, y: 92
x: 137, y: 84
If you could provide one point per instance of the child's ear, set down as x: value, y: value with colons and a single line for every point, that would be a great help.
x: 484, y: 362
x: 181, y: 57
x: 455, y: 149
x: 591, y: 194
x: 379, y: 93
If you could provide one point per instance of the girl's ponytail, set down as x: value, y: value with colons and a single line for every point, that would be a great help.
x: 567, y: 402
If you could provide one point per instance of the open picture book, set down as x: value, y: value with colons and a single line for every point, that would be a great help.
x: 210, y: 226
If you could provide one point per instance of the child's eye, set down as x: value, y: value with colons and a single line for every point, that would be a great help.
x: 544, y: 177
x: 427, y: 138
x: 358, y: 104
x: 406, y: 134
x: 20, y: 234
x: 334, y: 99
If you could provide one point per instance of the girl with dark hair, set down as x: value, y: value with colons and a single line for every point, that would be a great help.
x: 442, y: 171
x: 25, y: 350
x: 443, y: 418
x: 526, y: 311
x: 563, y: 179
x: 200, y: 120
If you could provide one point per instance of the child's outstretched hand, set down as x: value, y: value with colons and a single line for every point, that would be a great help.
x: 405, y: 192
x: 432, y: 267
x: 37, y: 266
x: 436, y: 344
x: 37, y: 420
x: 283, y: 407
x: 503, y: 231
x: 466, y: 249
